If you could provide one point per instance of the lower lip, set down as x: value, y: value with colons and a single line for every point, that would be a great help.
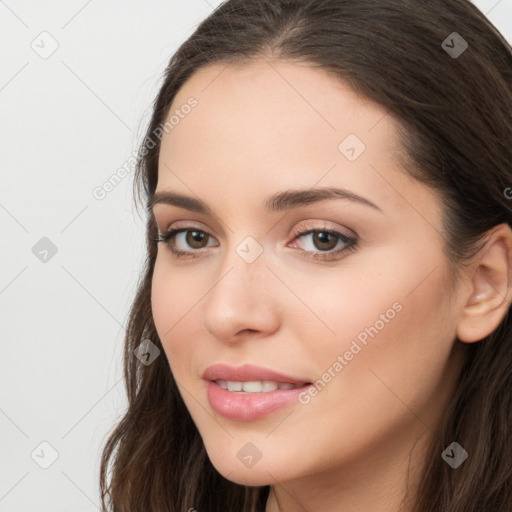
x: 249, y: 406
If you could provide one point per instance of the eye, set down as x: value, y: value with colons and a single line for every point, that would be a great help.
x: 194, y: 238
x: 328, y: 242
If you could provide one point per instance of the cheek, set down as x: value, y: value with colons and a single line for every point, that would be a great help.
x: 393, y: 326
x: 176, y: 296
x: 172, y: 299
x: 174, y: 292
x: 163, y: 300
x: 395, y: 340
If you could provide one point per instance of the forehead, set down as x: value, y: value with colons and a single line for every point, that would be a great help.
x: 284, y: 89
x: 272, y: 125
x: 278, y: 99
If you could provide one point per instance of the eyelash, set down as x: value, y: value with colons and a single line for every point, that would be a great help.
x: 169, y: 236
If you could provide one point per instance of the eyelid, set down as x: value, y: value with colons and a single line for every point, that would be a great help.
x: 301, y: 229
x: 304, y: 226
x: 182, y: 224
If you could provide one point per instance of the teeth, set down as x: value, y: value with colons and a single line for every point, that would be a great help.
x: 269, y: 385
x: 257, y: 386
x: 252, y: 387
x: 234, y: 386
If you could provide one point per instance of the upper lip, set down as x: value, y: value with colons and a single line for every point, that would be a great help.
x: 247, y: 373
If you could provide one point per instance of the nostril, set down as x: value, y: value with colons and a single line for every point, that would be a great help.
x: 247, y: 331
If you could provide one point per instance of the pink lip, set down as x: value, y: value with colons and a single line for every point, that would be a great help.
x: 246, y: 373
x: 249, y: 406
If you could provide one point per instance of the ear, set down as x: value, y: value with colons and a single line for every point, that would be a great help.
x: 490, y: 287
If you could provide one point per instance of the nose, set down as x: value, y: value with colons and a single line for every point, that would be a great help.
x: 242, y: 302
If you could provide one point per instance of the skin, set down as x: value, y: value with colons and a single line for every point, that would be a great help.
x: 269, y: 126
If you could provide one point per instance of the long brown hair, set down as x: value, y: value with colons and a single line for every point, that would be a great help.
x: 455, y: 115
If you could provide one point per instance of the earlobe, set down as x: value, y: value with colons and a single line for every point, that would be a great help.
x: 490, y: 291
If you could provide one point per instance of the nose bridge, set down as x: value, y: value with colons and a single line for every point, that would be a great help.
x: 244, y: 266
x: 239, y: 299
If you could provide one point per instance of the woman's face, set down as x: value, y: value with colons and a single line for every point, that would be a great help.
x: 341, y: 297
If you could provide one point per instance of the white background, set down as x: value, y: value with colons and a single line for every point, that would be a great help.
x: 67, y: 123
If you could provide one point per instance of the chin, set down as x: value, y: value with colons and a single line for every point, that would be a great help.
x: 250, y: 476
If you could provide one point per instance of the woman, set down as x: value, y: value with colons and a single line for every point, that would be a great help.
x: 322, y: 322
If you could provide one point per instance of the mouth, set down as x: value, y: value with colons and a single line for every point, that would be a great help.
x: 256, y: 386
x: 248, y: 393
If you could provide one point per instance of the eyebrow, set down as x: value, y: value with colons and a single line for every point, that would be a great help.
x: 278, y: 202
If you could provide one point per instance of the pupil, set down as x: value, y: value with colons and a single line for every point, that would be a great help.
x: 323, y: 238
x: 194, y: 237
